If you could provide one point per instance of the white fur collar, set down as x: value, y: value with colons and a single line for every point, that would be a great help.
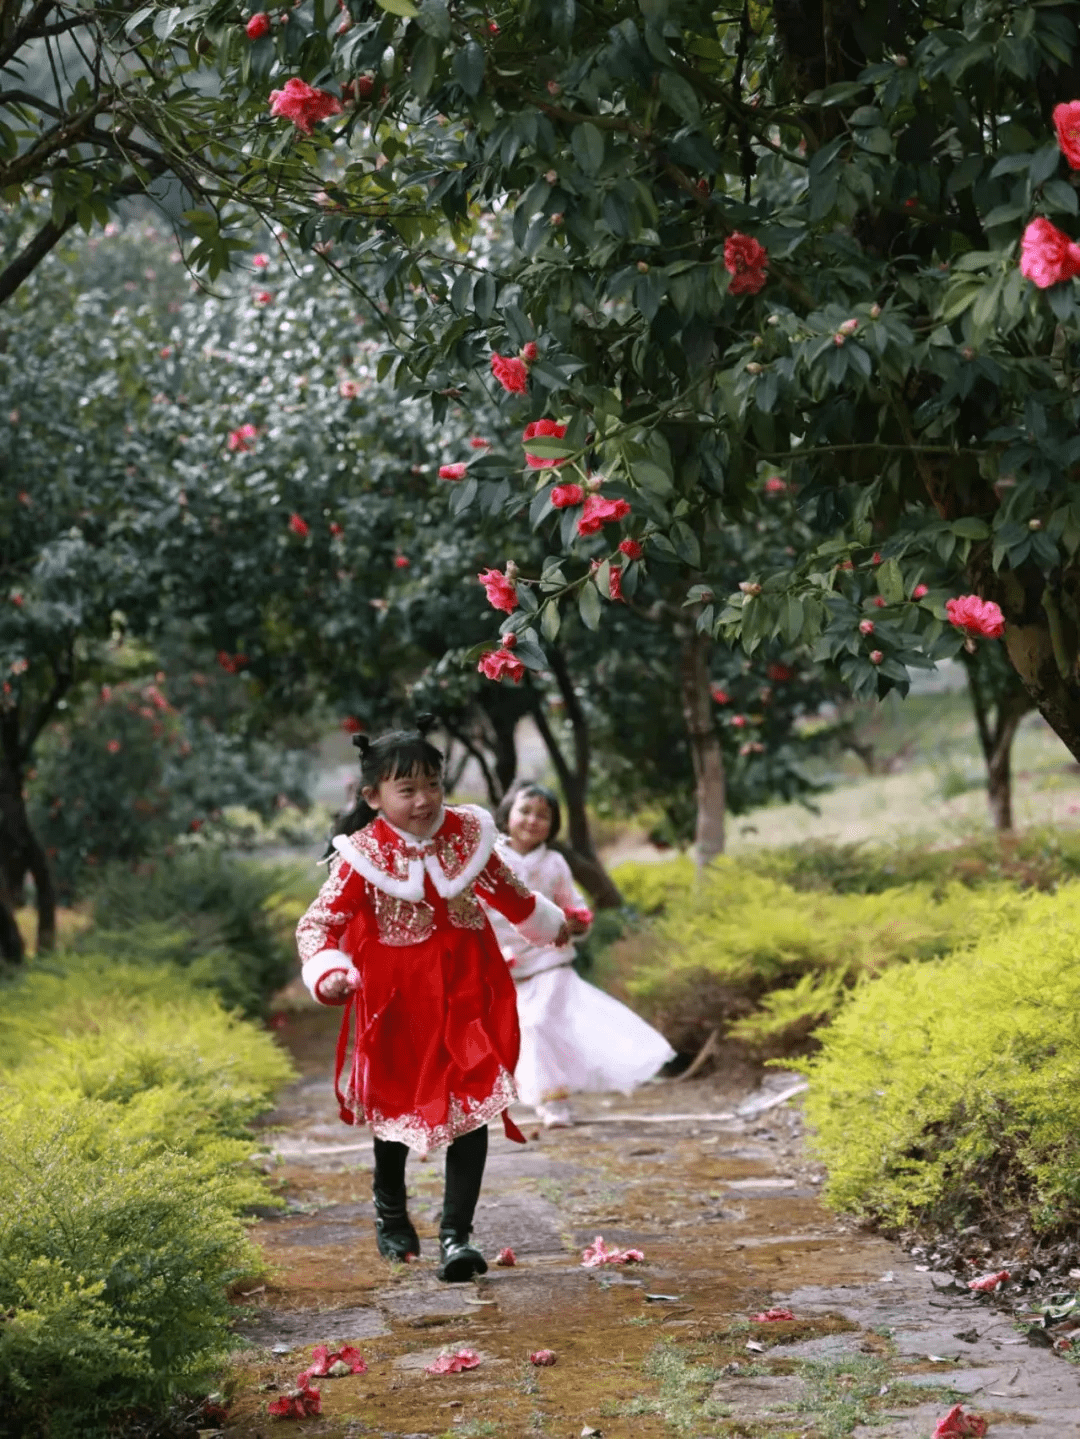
x: 412, y: 887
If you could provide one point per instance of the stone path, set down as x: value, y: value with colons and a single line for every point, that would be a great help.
x: 710, y: 1181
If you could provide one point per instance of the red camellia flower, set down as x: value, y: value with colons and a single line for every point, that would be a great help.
x: 976, y: 616
x: 510, y: 373
x: 866, y: 627
x: 778, y: 673
x: 365, y: 86
x: 543, y: 429
x: 334, y: 1363
x: 501, y: 592
x: 262, y: 297
x: 563, y: 496
x: 615, y: 583
x: 875, y: 558
x: 303, y: 105
x: 17, y: 601
x: 631, y: 549
x: 335, y: 529
x: 771, y: 1316
x: 240, y: 439
x: 739, y: 721
x: 879, y: 602
x: 479, y: 443
x: 298, y: 526
x: 1047, y: 255
x: 453, y: 472
x: 958, y: 1425
x: 919, y: 591
x: 1067, y: 124
x: 113, y: 746
x: 401, y: 562
x: 989, y: 1282
x: 774, y: 485
x: 501, y: 664
x: 529, y: 352
x: 746, y: 261
x: 260, y: 261
x: 719, y: 696
x: 543, y: 1358
x: 351, y: 725
x: 599, y: 512
x: 297, y: 1404
x: 258, y: 26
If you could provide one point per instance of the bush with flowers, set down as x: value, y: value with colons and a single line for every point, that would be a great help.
x: 946, y: 1093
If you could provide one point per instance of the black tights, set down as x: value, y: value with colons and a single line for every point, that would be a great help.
x: 465, y: 1160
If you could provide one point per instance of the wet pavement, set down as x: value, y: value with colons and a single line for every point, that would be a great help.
x: 709, y: 1179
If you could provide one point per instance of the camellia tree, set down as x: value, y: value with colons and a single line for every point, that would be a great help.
x: 747, y: 245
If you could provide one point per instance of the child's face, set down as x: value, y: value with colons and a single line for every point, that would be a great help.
x: 409, y: 801
x: 529, y: 821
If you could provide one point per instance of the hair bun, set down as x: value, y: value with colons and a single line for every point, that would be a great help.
x: 362, y: 742
x: 425, y: 722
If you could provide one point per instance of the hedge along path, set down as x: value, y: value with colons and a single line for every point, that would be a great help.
x: 709, y: 1179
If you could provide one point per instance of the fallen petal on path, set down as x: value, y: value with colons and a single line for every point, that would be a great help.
x: 506, y: 1259
x: 989, y: 1282
x: 543, y: 1358
x: 454, y: 1361
x: 958, y: 1425
x: 600, y: 1253
x: 771, y: 1316
x: 297, y: 1404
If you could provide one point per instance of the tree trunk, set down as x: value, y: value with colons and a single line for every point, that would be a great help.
x: 11, y: 944
x: 996, y: 734
x: 21, y: 851
x: 705, y: 748
x: 999, y: 768
x: 585, y: 864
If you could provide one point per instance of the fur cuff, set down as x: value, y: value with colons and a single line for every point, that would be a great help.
x: 544, y: 923
x: 319, y: 966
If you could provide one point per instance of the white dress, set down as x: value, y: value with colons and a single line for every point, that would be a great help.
x: 573, y: 1035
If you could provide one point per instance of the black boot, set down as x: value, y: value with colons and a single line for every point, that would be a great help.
x: 394, y: 1231
x: 459, y: 1261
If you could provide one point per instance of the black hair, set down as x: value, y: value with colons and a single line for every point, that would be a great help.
x: 399, y: 752
x: 529, y: 787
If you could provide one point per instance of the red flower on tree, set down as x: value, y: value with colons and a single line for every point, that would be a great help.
x: 746, y: 261
x: 351, y: 725
x: 543, y: 429
x: 298, y: 526
x: 529, y: 352
x: 774, y: 485
x: 479, y: 443
x: 1067, y: 125
x: 258, y: 25
x: 335, y: 529
x: 453, y: 472
x: 976, y: 616
x: 719, y: 696
x: 303, y: 105
x: 241, y: 439
x: 511, y: 373
x: 1047, y: 255
x: 615, y: 583
x: 501, y: 664
x: 631, y: 549
x: 500, y: 590
x: 599, y: 512
x: 564, y: 496
x: 401, y: 562
x: 779, y: 673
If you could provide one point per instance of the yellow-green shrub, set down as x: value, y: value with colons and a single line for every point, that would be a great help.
x: 946, y: 1089
x: 770, y: 962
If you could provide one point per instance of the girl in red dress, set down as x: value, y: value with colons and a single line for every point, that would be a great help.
x: 398, y: 937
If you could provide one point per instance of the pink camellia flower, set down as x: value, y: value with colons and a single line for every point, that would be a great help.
x: 958, y: 1425
x: 599, y: 512
x: 17, y: 600
x: 298, y: 526
x: 510, y: 373
x: 875, y: 558
x: 263, y: 297
x: 543, y: 429
x: 599, y: 1253
x: 506, y: 1259
x: 542, y: 1358
x: 346, y: 1360
x: 866, y: 627
x: 1067, y: 124
x: 501, y: 664
x: 739, y: 721
x: 454, y: 1361
x: 500, y: 590
x: 976, y: 616
x: 401, y: 562
x: 989, y: 1282
x: 453, y: 472
x: 563, y: 496
x: 509, y: 640
x: 303, y: 105
x: 529, y: 352
x: 259, y: 25
x: 479, y: 443
x: 1047, y: 255
x: 774, y: 485
x: 746, y: 261
x: 879, y: 602
x: 113, y: 746
x: 919, y: 591
x: 631, y: 549
x: 241, y: 439
x: 719, y: 696
x: 348, y: 389
x: 297, y: 1404
x: 615, y: 583
x: 876, y: 656
x: 771, y: 1316
x: 260, y: 261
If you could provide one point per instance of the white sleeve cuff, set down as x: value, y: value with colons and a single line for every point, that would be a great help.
x: 319, y: 966
x: 544, y: 923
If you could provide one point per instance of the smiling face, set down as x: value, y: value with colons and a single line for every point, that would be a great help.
x: 410, y: 802
x: 529, y: 821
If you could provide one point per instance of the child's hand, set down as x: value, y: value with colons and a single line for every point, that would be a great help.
x: 576, y: 925
x: 336, y: 985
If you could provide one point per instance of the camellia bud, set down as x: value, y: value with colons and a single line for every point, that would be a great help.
x: 593, y: 483
x: 900, y: 61
x: 849, y: 327
x: 1035, y: 524
x: 838, y: 339
x: 758, y: 342
x: 509, y: 639
x: 749, y: 587
x: 866, y: 627
x: 556, y: 219
x: 968, y: 353
x: 643, y: 267
x: 551, y: 176
x: 875, y: 312
x: 876, y: 656
x: 753, y: 368
x: 774, y: 319
x: 511, y: 570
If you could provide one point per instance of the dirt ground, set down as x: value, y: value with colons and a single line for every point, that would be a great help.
x: 709, y: 1179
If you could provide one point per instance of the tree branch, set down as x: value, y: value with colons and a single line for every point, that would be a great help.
x: 32, y: 255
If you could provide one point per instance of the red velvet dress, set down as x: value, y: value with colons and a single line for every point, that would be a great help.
x: 429, y: 1037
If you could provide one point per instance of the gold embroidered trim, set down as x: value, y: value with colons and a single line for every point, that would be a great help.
x: 312, y: 933
x: 401, y: 921
x: 464, y: 1117
x: 501, y: 871
x: 465, y: 912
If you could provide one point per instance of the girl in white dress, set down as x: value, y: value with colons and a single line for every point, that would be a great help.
x: 574, y: 1037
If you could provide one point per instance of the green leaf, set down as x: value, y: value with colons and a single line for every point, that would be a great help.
x: 1060, y: 195
x: 686, y: 543
x: 589, y: 606
x: 550, y: 620
x: 405, y: 8
x: 546, y: 447
x: 651, y: 478
x: 890, y: 582
x: 434, y: 19
x: 468, y: 67
x: 422, y: 69
x: 588, y: 146
x: 680, y: 95
x: 970, y: 528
